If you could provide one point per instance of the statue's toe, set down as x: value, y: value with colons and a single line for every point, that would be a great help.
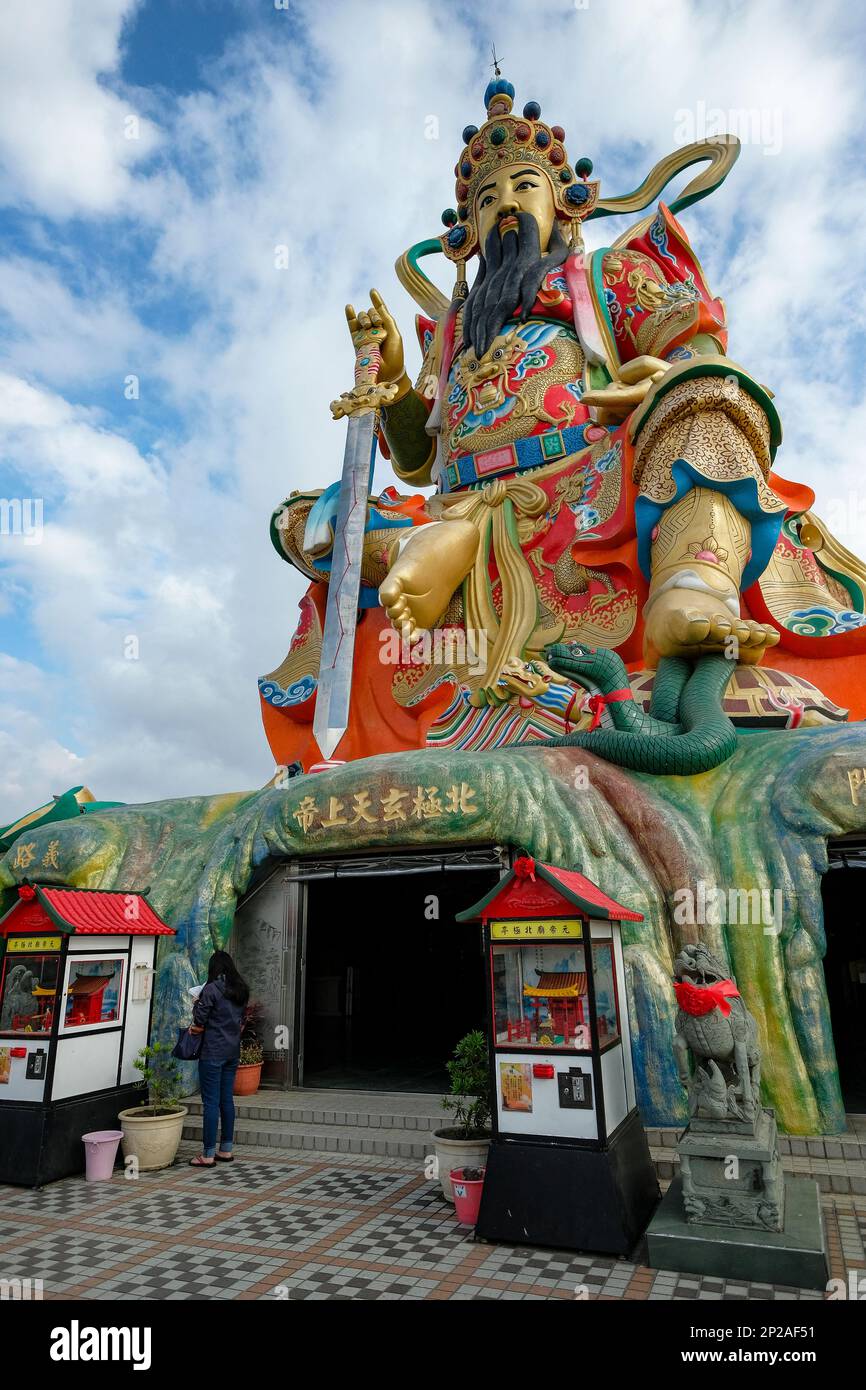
x: 689, y: 627
x: 390, y: 592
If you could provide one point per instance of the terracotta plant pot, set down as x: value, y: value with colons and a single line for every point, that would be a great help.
x: 452, y: 1152
x: 152, y: 1139
x: 247, y: 1079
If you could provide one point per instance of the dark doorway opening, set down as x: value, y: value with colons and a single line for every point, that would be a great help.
x: 844, y: 894
x: 390, y: 988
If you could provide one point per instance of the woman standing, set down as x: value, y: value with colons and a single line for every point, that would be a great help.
x: 218, y: 1013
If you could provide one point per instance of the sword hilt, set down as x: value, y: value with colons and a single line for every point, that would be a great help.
x: 368, y: 393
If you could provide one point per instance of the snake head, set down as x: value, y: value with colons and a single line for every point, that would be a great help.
x: 569, y: 656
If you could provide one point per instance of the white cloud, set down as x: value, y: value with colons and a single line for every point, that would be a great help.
x: 61, y: 445
x: 64, y: 142
x: 66, y: 338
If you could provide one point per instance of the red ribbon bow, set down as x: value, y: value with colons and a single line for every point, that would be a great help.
x: 525, y: 867
x: 596, y: 704
x: 702, y: 999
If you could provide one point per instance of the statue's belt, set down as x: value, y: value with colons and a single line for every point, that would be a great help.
x: 524, y: 453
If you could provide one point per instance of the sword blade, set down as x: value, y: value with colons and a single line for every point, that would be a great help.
x: 334, y: 693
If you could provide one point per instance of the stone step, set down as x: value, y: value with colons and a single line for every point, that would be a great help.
x: 831, y: 1175
x: 344, y: 1109
x: 396, y: 1142
x: 398, y: 1125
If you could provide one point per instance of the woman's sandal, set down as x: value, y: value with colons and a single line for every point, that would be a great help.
x: 201, y: 1162
x: 224, y: 1158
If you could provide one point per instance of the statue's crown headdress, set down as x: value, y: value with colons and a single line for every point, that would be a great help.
x: 503, y: 139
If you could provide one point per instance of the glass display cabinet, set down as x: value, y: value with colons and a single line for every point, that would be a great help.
x: 76, y: 988
x: 569, y: 1163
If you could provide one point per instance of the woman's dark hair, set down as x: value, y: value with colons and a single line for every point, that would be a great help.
x: 221, y: 964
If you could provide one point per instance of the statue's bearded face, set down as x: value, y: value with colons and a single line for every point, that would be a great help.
x: 515, y: 188
x: 521, y: 242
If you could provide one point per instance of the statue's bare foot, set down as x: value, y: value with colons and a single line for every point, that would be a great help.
x: 688, y: 622
x: 423, y: 578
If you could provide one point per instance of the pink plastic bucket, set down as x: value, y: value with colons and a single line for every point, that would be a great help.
x: 467, y: 1196
x: 100, y: 1151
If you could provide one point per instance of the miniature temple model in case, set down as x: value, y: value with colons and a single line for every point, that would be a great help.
x: 76, y: 973
x: 569, y: 1163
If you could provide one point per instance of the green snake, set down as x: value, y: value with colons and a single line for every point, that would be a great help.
x: 686, y: 730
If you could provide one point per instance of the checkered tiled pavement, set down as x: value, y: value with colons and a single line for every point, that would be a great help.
x: 278, y: 1225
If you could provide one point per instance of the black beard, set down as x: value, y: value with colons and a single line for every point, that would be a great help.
x: 510, y: 274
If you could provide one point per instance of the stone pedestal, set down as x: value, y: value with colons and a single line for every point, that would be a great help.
x: 732, y: 1175
x: 796, y: 1256
x: 734, y: 1213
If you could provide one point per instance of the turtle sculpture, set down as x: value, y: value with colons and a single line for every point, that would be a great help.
x: 714, y: 1025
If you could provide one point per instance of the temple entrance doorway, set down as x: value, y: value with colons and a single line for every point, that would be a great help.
x: 391, y: 981
x: 844, y: 894
x: 362, y: 976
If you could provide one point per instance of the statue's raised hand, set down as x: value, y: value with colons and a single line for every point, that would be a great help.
x: 387, y: 336
x: 378, y: 355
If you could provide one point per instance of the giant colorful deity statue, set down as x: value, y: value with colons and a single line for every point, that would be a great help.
x: 604, y: 484
x: 588, y: 546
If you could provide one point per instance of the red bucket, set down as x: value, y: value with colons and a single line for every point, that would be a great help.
x: 467, y: 1194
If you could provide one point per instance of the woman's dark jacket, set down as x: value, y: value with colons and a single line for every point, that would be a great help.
x: 221, y: 1020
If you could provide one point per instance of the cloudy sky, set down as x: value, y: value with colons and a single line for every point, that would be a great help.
x: 164, y: 382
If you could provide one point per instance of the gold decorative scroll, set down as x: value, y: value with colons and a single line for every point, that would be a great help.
x: 721, y: 153
x: 492, y: 510
x: 425, y: 294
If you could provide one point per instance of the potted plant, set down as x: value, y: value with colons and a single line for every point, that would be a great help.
x: 249, y: 1073
x: 465, y: 1143
x: 152, y: 1130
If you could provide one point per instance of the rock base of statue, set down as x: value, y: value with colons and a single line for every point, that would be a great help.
x: 732, y: 1175
x: 795, y: 1256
